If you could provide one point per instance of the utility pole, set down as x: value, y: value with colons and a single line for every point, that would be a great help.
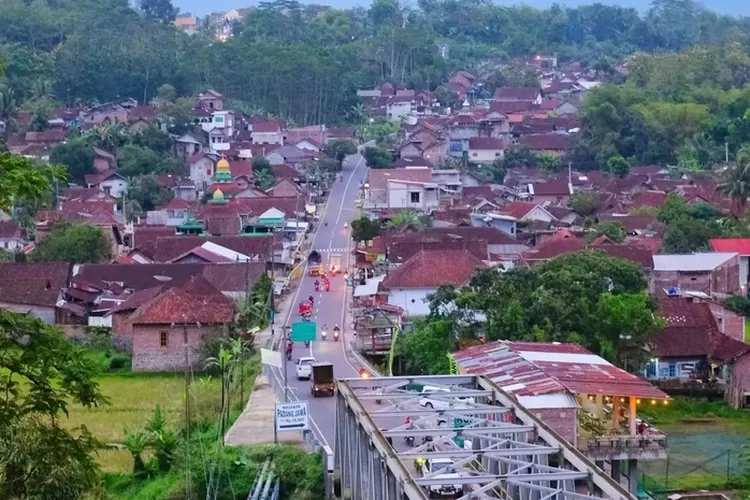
x: 726, y: 153
x: 285, y: 335
x: 271, y: 298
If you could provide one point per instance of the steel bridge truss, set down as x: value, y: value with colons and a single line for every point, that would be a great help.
x: 498, y: 449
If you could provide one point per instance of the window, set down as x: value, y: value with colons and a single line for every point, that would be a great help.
x: 163, y: 339
x: 219, y: 119
x: 672, y: 370
x: 107, y: 189
x: 414, y: 197
x: 497, y: 154
x: 473, y: 154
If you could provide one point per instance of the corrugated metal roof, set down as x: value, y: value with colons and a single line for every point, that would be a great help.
x: 534, y: 369
x: 696, y: 262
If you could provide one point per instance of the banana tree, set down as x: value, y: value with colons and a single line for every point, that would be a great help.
x: 224, y: 363
x: 136, y: 443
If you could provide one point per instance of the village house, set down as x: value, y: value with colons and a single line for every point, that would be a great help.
x: 401, y: 188
x: 210, y: 99
x: 269, y: 132
x: 551, y: 143
x: 104, y: 161
x: 555, y: 192
x: 110, y: 182
x: 162, y: 326
x: 187, y: 145
x: 202, y: 167
x: 485, y: 149
x: 524, y: 94
x: 409, y: 285
x: 588, y: 401
x: 712, y: 274
x: 34, y: 288
x: 288, y: 155
x: 692, y: 349
x: 740, y: 246
x: 11, y: 236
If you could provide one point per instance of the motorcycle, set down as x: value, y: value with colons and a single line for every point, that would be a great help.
x: 328, y: 286
x: 341, y: 179
x: 409, y: 440
x: 307, y: 343
x: 336, y: 333
x: 323, y: 335
x: 317, y: 286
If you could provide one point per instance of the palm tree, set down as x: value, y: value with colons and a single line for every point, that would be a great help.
x: 358, y: 113
x: 162, y: 438
x: 736, y: 181
x: 264, y: 178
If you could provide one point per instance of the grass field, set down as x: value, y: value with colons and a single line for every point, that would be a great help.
x: 132, y: 399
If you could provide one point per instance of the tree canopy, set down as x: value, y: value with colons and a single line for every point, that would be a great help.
x: 77, y: 243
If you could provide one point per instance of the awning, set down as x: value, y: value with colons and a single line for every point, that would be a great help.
x: 369, y: 288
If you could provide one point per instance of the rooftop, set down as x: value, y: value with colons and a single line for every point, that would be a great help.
x: 434, y: 268
x: 534, y: 369
x: 697, y: 262
x: 33, y: 284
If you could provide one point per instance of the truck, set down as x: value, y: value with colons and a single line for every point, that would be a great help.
x: 334, y: 261
x: 322, y: 380
x: 314, y: 264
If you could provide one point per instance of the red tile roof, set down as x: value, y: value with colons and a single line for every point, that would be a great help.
x: 241, y: 168
x: 378, y: 178
x: 544, y: 142
x: 267, y: 127
x: 532, y: 369
x: 692, y: 332
x: 552, y: 248
x: 9, y: 229
x: 650, y: 199
x: 736, y: 245
x: 632, y: 223
x: 434, y: 268
x: 169, y: 247
x: 518, y: 209
x: 508, y: 107
x: 196, y: 302
x: 486, y: 143
x: 517, y: 93
x: 638, y: 254
x: 550, y: 104
x: 285, y: 172
x: 556, y: 187
x: 33, y: 284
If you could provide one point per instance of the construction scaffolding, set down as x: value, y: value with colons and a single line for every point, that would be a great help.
x: 418, y: 437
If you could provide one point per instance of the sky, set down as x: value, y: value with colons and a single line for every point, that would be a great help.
x: 202, y: 8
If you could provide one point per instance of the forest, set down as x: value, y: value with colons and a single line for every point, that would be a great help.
x: 305, y: 62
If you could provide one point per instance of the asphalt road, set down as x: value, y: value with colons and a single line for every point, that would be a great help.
x: 329, y: 306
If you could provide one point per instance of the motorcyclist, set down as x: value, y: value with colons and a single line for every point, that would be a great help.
x: 289, y: 347
x: 341, y: 178
x: 311, y: 299
x: 336, y: 332
x: 317, y: 285
x: 323, y: 332
x: 346, y: 224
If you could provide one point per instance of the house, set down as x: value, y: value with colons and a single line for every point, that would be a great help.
x: 106, y: 114
x: 104, y: 161
x: 562, y: 384
x: 709, y: 273
x: 210, y: 99
x: 551, y: 143
x: 485, y: 149
x: 176, y: 321
x: 495, y: 220
x: 34, y: 288
x: 109, y: 182
x: 309, y: 145
x: 267, y: 133
x: 692, y: 348
x: 740, y: 246
x: 401, y: 188
x: 11, y: 236
x: 202, y: 167
x: 524, y: 94
x: 288, y: 155
x: 174, y: 213
x: 409, y: 285
x: 187, y: 145
x: 556, y: 192
x: 186, y: 22
x: 318, y: 134
x: 526, y: 211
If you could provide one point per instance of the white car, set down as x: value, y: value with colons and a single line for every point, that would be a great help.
x: 442, y: 403
x: 304, y: 368
x: 434, y: 468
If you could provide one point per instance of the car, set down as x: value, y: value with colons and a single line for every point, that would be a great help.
x: 435, y: 401
x: 433, y: 468
x: 304, y: 368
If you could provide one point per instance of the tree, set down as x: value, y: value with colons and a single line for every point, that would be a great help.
x: 618, y: 166
x: 148, y: 193
x: 364, y: 229
x: 263, y: 173
x: 613, y: 230
x: 77, y: 156
x: 137, y: 160
x: 155, y: 139
x: 41, y: 112
x: 20, y: 179
x: 43, y: 374
x: 519, y: 158
x: 736, y: 181
x: 339, y: 149
x: 425, y: 351
x: 584, y: 203
x: 161, y: 10
x: 76, y: 243
x: 378, y: 157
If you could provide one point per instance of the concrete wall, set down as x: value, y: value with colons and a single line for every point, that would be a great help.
x: 724, y: 279
x: 729, y: 322
x: 46, y: 314
x: 738, y: 389
x: 413, y: 300
x: 484, y: 155
x: 399, y: 196
x: 116, y: 186
x: 150, y: 356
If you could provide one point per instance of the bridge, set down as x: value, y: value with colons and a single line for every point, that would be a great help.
x: 488, y: 445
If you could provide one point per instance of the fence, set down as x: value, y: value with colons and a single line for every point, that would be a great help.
x: 721, y: 471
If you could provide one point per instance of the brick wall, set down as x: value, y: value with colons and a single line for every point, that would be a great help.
x: 564, y: 421
x: 726, y: 277
x: 150, y: 356
x: 729, y: 322
x: 739, y: 382
x: 687, y: 282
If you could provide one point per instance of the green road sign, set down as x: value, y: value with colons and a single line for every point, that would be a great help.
x: 304, y: 331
